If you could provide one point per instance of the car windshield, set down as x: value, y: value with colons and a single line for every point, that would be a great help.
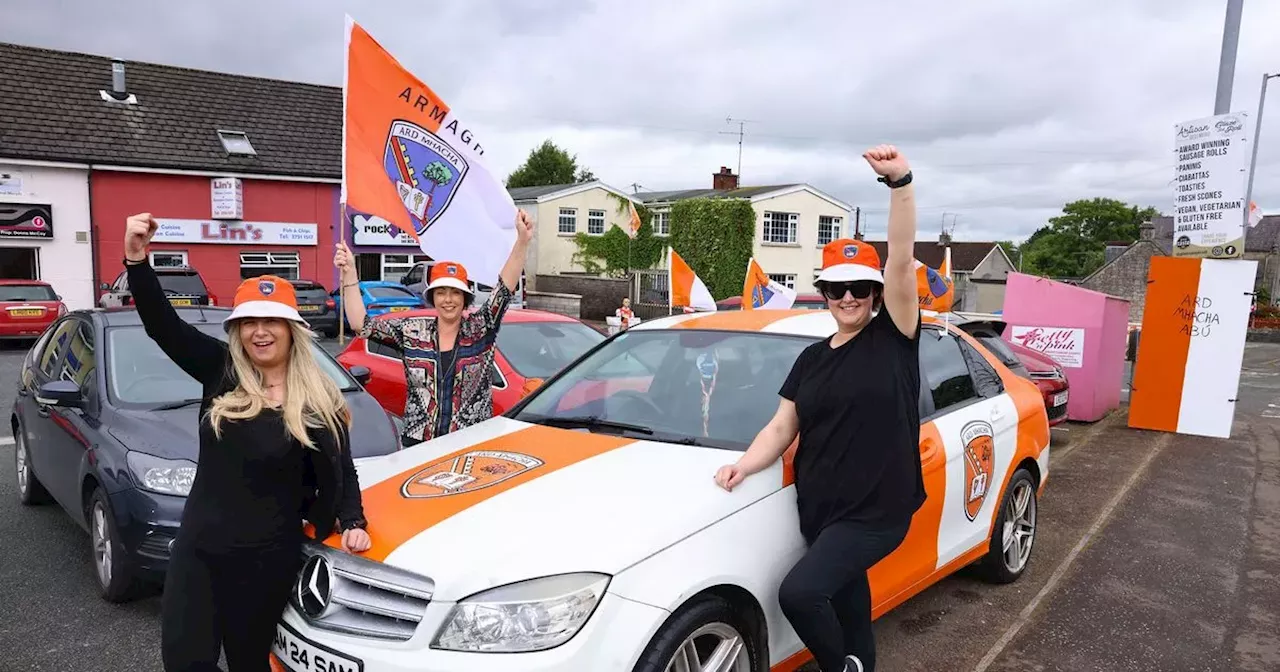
x: 181, y: 283
x: 541, y: 349
x: 713, y: 388
x: 391, y: 293
x: 27, y: 293
x: 139, y: 373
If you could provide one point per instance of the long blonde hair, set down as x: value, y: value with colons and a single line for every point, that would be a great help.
x: 312, y: 399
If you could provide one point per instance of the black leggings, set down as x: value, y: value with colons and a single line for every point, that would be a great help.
x: 226, y: 601
x: 826, y: 596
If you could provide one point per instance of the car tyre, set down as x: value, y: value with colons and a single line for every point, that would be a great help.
x: 30, y: 490
x: 112, y: 568
x: 1013, y: 535
x: 697, y: 632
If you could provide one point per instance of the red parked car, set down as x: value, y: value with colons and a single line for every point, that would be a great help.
x: 1036, y: 366
x: 27, y: 308
x: 533, y: 345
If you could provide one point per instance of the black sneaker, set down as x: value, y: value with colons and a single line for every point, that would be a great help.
x: 852, y: 664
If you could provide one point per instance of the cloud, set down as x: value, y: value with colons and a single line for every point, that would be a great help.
x: 1007, y: 109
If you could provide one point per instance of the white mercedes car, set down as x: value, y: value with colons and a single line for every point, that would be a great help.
x: 583, y: 531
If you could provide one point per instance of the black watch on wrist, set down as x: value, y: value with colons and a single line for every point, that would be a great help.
x: 901, y: 182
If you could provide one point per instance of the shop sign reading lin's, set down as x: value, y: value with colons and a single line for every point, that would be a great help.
x: 409, y: 160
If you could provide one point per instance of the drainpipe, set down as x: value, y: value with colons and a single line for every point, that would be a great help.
x: 93, y: 241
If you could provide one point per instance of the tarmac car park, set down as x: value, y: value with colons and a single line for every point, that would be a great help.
x: 583, y: 531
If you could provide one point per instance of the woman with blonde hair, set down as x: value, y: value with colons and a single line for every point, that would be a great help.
x: 274, y: 452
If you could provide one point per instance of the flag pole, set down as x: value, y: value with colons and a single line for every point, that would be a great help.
x: 342, y: 291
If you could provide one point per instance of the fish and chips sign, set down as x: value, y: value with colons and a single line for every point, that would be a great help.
x: 409, y: 161
x: 1209, y: 186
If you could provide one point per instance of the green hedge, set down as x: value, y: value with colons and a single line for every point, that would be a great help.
x: 715, y: 236
x: 608, y: 254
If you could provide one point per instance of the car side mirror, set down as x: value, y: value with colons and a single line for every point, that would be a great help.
x: 60, y: 393
x: 361, y: 374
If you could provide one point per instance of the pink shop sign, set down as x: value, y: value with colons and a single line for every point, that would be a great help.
x: 1063, y: 345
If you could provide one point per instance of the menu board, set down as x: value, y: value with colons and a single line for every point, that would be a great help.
x: 1209, y: 185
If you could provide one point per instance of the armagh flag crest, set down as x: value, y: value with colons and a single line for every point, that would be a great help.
x: 761, y: 293
x: 407, y: 159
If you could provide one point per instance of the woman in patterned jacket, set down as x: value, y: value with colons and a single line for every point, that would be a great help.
x: 447, y: 358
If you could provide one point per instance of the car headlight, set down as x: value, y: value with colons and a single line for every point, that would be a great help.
x: 527, y: 616
x: 167, y: 477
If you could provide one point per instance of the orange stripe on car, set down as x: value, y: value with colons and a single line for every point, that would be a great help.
x: 1158, y: 376
x: 402, y: 506
x: 737, y: 320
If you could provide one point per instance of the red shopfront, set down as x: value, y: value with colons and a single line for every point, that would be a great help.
x: 285, y: 228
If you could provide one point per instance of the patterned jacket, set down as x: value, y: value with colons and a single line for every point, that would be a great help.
x: 417, y: 338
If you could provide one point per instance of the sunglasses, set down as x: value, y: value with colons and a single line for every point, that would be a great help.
x: 860, y: 289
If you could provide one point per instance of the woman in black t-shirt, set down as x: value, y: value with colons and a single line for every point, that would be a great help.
x: 274, y: 450
x: 853, y: 401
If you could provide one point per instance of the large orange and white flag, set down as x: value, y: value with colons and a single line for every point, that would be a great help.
x: 409, y: 160
x: 687, y: 289
x: 1195, y: 317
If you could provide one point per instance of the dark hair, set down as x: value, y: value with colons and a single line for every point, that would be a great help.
x: 467, y: 298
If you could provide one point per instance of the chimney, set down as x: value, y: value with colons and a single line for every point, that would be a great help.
x: 724, y: 180
x: 117, y: 77
x: 1147, y: 231
x: 944, y: 239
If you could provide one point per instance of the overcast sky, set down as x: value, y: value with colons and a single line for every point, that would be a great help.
x: 1008, y: 110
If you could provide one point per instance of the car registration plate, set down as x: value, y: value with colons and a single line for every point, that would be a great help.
x: 27, y: 312
x: 180, y: 302
x: 308, y: 308
x: 300, y: 655
x: 396, y: 309
x: 1059, y: 398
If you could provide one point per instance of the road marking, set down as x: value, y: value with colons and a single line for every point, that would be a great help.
x: 6, y: 441
x: 1024, y: 616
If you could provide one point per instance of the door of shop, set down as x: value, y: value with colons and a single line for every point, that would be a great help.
x: 19, y: 263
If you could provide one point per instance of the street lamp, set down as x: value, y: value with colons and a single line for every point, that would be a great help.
x: 1253, y: 160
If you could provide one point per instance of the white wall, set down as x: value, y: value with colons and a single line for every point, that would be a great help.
x: 555, y: 250
x: 804, y: 256
x: 64, y: 263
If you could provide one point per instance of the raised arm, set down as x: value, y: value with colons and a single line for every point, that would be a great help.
x: 510, y: 275
x: 202, y: 356
x: 488, y: 317
x: 349, y: 287
x: 899, y: 268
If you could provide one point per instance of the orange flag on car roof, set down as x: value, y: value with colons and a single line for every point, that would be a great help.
x: 408, y: 160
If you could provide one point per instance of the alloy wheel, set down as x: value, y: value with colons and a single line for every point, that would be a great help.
x: 20, y: 462
x: 101, y: 544
x: 714, y: 647
x: 1019, y: 527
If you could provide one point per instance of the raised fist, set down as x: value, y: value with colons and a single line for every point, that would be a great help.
x: 524, y: 225
x: 343, y: 261
x: 138, y: 231
x: 887, y: 161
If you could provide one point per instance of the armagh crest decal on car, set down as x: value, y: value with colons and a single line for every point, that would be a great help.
x: 469, y: 471
x: 425, y: 169
x: 979, y: 454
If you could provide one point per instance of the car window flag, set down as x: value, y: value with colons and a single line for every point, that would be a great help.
x: 759, y: 292
x: 686, y: 289
x: 408, y: 160
x: 934, y: 288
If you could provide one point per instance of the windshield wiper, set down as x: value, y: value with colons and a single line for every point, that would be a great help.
x: 177, y: 404
x: 593, y: 422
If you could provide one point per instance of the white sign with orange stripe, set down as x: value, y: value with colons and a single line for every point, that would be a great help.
x: 1195, y: 319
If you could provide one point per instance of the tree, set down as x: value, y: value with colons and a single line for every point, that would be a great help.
x: 1073, y: 244
x: 714, y: 236
x: 546, y: 165
x: 614, y: 253
x: 437, y: 173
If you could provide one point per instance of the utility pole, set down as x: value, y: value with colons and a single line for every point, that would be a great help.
x: 740, y: 133
x: 1253, y: 160
x: 1227, y: 62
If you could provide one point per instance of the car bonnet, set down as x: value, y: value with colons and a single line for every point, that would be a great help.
x: 505, y: 501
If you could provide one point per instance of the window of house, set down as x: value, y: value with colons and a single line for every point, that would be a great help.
x: 661, y: 223
x: 283, y: 264
x: 828, y: 229
x: 595, y: 222
x: 780, y: 227
x: 395, y: 266
x: 168, y: 259
x: 568, y: 221
x: 787, y: 280
x: 236, y: 142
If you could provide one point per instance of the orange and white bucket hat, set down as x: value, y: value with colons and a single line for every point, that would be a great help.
x: 265, y: 296
x: 447, y: 274
x: 847, y: 260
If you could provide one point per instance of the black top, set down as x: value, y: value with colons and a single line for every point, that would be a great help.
x: 446, y: 362
x: 255, y: 485
x: 859, y: 410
